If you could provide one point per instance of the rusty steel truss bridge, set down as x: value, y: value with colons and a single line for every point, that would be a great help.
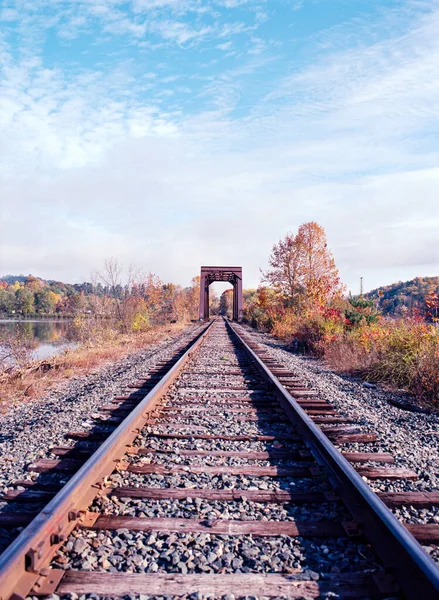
x: 232, y: 275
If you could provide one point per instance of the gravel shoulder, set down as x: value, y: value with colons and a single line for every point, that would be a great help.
x: 412, y: 438
x: 28, y: 430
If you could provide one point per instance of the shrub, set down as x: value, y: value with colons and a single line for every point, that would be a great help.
x: 310, y: 332
x: 351, y: 337
x: 285, y: 327
x: 94, y: 332
x: 346, y: 355
x: 398, y: 351
x: 425, y: 379
x: 140, y: 322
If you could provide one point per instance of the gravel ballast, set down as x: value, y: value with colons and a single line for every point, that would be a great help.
x: 412, y: 438
x: 139, y: 552
x: 28, y: 430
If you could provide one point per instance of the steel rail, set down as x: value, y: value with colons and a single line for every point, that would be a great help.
x: 402, y: 556
x: 24, y: 564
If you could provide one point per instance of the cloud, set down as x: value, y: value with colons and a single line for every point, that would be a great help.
x: 180, y: 32
x: 122, y: 26
x: 234, y: 3
x: 146, y: 5
x: 113, y: 160
x: 168, y: 19
x: 225, y: 46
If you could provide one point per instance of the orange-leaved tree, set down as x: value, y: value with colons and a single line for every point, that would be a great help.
x: 432, y: 304
x: 303, y: 269
x: 318, y: 273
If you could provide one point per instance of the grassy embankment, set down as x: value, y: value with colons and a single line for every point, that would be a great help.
x: 32, y: 379
x: 403, y: 352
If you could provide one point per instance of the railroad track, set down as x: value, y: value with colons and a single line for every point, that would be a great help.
x: 218, y: 473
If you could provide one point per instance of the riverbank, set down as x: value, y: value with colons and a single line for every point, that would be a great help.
x: 39, y: 377
x: 38, y: 317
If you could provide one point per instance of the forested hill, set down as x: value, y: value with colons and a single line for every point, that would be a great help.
x: 13, y: 278
x: 405, y: 296
x: 26, y: 295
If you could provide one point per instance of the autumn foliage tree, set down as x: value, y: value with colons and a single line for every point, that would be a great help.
x: 284, y: 273
x: 137, y: 301
x: 432, y: 305
x: 302, y: 268
x: 226, y: 303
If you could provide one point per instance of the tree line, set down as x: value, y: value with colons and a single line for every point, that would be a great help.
x: 419, y: 296
x: 133, y: 299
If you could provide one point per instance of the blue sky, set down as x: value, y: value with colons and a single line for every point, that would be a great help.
x: 175, y: 133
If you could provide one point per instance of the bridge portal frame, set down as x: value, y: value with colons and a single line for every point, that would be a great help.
x: 231, y: 274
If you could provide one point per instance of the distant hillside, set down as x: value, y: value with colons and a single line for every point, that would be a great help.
x: 26, y: 296
x: 405, y: 296
x: 13, y: 278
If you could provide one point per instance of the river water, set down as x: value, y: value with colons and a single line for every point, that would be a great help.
x: 47, y: 337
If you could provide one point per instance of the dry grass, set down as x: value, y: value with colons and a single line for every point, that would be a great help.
x: 402, y: 353
x: 37, y: 378
x: 347, y: 356
x: 425, y: 375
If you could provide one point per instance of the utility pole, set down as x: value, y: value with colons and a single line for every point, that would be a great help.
x: 361, y: 286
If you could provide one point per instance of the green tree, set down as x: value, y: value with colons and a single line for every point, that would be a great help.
x: 45, y: 301
x: 24, y: 301
x: 361, y: 310
x: 7, y: 301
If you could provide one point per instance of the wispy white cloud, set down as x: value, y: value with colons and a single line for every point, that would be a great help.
x: 237, y: 3
x: 50, y: 122
x: 180, y: 32
x: 147, y: 5
x: 349, y: 140
x: 225, y: 46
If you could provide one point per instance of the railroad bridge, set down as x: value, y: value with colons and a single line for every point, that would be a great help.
x: 231, y: 274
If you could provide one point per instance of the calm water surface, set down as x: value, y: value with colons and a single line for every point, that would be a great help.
x: 47, y: 336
